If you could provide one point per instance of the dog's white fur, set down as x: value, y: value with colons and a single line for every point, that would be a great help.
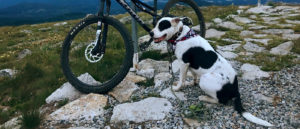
x: 211, y: 80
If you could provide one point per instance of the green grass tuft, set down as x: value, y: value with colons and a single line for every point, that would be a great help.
x: 296, y: 47
x: 155, y: 55
x: 147, y: 83
x: 31, y: 120
x: 63, y: 102
x: 297, y: 28
x: 198, y: 112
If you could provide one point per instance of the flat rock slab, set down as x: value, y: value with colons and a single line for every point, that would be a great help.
x: 227, y: 54
x: 244, y: 20
x: 291, y: 36
x: 162, y: 78
x: 145, y: 110
x: 259, y: 96
x: 230, y: 25
x: 247, y: 33
x: 84, y: 108
x: 230, y: 47
x: 148, y: 67
x: 124, y: 90
x: 213, y: 33
x: 263, y: 41
x: 282, y: 49
x: 167, y: 93
x: 278, y: 31
x: 191, y: 122
x: 134, y: 78
x: 251, y: 72
x: 67, y: 91
x: 259, y: 9
x: 253, y: 47
x: 257, y: 27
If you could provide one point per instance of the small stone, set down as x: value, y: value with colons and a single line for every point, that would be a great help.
x: 282, y: 49
x: 24, y: 53
x: 260, y: 35
x: 230, y: 47
x: 231, y: 40
x: 125, y: 20
x: 162, y: 78
x: 60, y: 24
x: 269, y: 19
x: 148, y: 109
x: 246, y: 53
x: 191, y: 122
x: 259, y: 96
x: 257, y: 27
x: 293, y: 21
x: 134, y: 78
x: 217, y: 20
x: 167, y: 93
x: 124, y: 90
x: 213, y: 33
x: 251, y: 72
x: 45, y: 29
x: 86, y: 107
x: 8, y: 73
x: 247, y: 33
x: 253, y: 16
x: 26, y: 31
x: 253, y: 47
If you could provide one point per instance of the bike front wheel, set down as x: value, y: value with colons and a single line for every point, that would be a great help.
x: 90, y: 73
x: 188, y: 9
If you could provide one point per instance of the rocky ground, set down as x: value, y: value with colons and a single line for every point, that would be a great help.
x: 144, y: 99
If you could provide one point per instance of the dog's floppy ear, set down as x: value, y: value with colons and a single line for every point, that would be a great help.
x: 176, y: 20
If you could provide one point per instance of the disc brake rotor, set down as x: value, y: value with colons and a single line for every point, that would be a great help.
x: 89, y: 56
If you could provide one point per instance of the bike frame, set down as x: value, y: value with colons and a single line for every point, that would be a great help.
x: 139, y: 4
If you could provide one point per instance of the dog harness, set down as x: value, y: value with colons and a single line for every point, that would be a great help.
x: 174, y: 39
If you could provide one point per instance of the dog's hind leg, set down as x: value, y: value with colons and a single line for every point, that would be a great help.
x: 182, y: 76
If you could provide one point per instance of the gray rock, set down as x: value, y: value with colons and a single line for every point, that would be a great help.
x: 148, y: 73
x: 213, y: 33
x: 144, y: 39
x: 197, y: 27
x: 217, y: 20
x: 81, y: 127
x: 85, y: 108
x: 191, y: 122
x: 60, y: 24
x: 263, y: 41
x: 251, y: 72
x: 26, y: 31
x: 148, y: 67
x: 278, y: 31
x: 230, y: 25
x: 162, y: 47
x: 245, y: 53
x: 260, y: 35
x: 45, y: 29
x: 253, y: 47
x: 282, y: 49
x: 124, y: 90
x: 24, y: 53
x: 259, y: 96
x: 257, y: 27
x: 269, y: 19
x: 161, y: 78
x: 67, y: 91
x: 125, y: 19
x: 247, y: 33
x: 8, y: 73
x: 239, y: 11
x: 227, y: 54
x: 145, y: 110
x: 244, y: 20
x: 286, y: 25
x: 134, y: 78
x: 253, y: 16
x: 259, y: 9
x: 14, y: 123
x: 230, y: 47
x: 293, y: 21
x: 291, y: 36
x: 167, y: 93
x: 231, y: 40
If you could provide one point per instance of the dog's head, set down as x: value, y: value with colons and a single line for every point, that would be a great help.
x: 166, y: 28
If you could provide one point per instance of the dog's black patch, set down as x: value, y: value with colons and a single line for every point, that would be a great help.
x: 198, y: 57
x: 165, y: 24
x: 230, y: 91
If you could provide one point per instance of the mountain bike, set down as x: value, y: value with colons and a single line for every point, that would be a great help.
x: 101, y: 45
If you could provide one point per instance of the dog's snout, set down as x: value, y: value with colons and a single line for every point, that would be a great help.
x: 151, y: 34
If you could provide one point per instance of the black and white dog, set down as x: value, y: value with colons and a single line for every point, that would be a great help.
x: 217, y: 77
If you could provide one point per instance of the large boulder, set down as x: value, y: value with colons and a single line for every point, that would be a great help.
x: 145, y: 110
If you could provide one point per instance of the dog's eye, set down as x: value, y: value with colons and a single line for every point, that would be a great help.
x: 164, y: 25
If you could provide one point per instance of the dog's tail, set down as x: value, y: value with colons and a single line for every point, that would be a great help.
x: 239, y: 108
